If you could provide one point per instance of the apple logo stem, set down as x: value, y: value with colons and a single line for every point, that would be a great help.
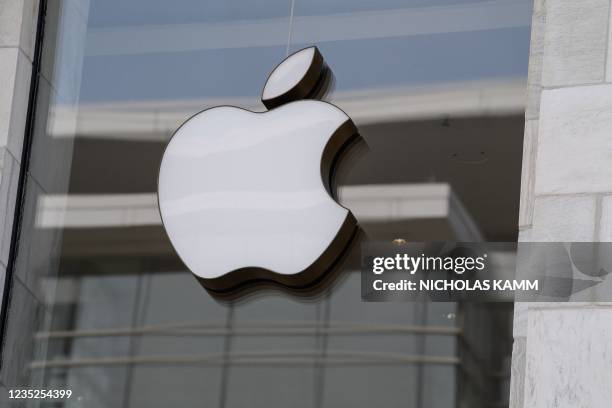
x: 248, y: 197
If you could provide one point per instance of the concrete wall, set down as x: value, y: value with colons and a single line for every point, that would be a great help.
x: 18, y: 21
x: 562, y: 353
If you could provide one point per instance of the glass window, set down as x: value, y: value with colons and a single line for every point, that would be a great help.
x: 436, y: 89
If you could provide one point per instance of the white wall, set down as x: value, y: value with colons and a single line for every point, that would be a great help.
x: 17, y: 36
x: 561, y: 351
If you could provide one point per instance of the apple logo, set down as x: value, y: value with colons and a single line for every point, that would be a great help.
x: 247, y: 196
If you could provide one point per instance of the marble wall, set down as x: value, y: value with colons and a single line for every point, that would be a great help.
x: 561, y: 353
x: 18, y: 22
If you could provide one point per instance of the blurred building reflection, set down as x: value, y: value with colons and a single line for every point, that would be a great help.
x: 437, y: 89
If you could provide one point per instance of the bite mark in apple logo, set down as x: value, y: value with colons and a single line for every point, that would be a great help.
x: 248, y: 196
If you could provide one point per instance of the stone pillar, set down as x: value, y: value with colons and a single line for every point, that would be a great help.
x: 17, y: 35
x: 562, y: 353
x: 18, y: 23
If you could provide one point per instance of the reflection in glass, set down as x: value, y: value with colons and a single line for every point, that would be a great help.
x: 436, y: 89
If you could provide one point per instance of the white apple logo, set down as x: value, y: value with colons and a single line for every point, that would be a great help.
x: 246, y: 196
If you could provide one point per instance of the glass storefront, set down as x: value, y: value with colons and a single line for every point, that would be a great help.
x: 436, y: 89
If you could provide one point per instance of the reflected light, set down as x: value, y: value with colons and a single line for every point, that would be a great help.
x: 475, y: 16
